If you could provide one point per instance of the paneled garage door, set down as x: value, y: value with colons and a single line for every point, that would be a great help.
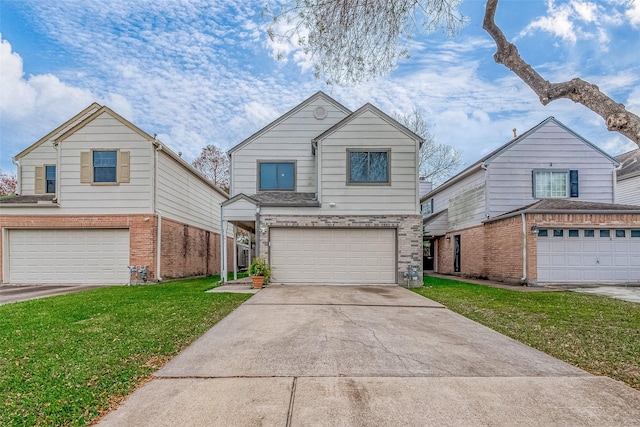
x: 333, y: 256
x: 588, y: 255
x: 85, y: 256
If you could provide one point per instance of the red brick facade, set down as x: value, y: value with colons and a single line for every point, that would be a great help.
x: 495, y: 250
x: 186, y: 250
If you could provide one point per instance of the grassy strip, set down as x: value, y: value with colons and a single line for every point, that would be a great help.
x: 67, y: 359
x: 598, y: 334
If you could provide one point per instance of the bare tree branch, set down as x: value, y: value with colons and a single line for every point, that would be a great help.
x: 437, y: 162
x: 213, y: 163
x: 616, y: 116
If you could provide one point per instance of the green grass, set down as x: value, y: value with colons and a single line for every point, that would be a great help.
x: 65, y: 360
x: 598, y: 334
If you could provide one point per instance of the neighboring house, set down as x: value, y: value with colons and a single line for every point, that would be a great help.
x: 97, y: 195
x: 536, y: 210
x: 332, y: 195
x: 628, y: 188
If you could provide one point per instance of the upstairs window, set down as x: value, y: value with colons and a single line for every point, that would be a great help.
x: 550, y: 184
x: 276, y: 176
x: 50, y: 179
x: 427, y: 208
x: 105, y: 167
x: 368, y: 167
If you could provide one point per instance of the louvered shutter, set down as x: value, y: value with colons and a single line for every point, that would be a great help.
x: 85, y: 167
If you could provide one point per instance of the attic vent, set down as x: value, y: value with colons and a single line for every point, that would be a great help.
x: 319, y: 113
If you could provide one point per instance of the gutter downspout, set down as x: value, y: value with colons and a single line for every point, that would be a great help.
x: 257, y: 231
x: 56, y: 198
x: 524, y: 247
x: 615, y: 182
x: 157, y: 212
x: 19, y: 175
x: 223, y: 276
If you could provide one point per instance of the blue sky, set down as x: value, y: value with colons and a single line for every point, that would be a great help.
x: 200, y: 72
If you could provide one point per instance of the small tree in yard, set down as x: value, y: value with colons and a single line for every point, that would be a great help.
x: 213, y: 163
x: 436, y: 162
x: 8, y: 184
x: 351, y: 41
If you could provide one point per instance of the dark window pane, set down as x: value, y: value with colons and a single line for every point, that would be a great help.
x: 285, y: 176
x: 50, y: 178
x: 378, y: 167
x: 104, y: 166
x: 268, y: 176
x: 605, y: 233
x: 635, y: 233
x: 558, y: 233
x: 543, y: 233
x: 620, y: 233
x: 368, y: 166
x: 104, y: 174
x: 574, y: 233
x: 589, y: 233
x: 358, y: 166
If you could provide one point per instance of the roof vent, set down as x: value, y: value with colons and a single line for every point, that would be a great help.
x: 319, y: 113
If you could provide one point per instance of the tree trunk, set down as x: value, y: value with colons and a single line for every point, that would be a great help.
x: 616, y: 116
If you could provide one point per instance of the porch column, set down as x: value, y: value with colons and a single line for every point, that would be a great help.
x: 235, y: 252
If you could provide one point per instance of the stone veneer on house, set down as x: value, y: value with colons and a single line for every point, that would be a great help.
x: 408, y: 232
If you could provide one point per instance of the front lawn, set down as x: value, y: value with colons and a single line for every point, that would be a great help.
x: 598, y: 334
x: 64, y: 360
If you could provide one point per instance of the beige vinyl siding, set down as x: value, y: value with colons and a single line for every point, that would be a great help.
x: 240, y: 210
x: 552, y: 148
x: 185, y: 197
x: 289, y: 140
x: 45, y: 154
x: 372, y: 133
x: 465, y: 201
x: 105, y: 132
x: 628, y: 191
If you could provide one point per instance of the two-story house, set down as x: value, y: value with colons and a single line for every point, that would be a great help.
x: 540, y: 209
x: 97, y: 195
x: 331, y: 194
x: 628, y: 188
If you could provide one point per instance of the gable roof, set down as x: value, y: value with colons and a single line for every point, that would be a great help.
x: 288, y: 114
x: 515, y: 141
x: 378, y: 112
x: 60, y: 129
x: 143, y: 134
x: 630, y: 164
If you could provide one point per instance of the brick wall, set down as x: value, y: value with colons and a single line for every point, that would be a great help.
x: 142, y: 234
x: 409, y: 231
x: 503, y: 249
x: 471, y: 252
x: 189, y: 251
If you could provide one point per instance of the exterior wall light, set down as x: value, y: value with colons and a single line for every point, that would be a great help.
x: 448, y: 238
x: 535, y: 229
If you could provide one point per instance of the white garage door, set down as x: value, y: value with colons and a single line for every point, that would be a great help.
x: 333, y: 256
x: 588, y: 255
x: 86, y: 256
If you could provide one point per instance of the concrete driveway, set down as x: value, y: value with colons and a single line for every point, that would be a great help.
x: 367, y: 356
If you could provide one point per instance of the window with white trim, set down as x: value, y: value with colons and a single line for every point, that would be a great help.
x: 555, y: 184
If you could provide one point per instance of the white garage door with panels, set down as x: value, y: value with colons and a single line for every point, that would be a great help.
x: 333, y: 255
x: 588, y: 255
x: 67, y: 256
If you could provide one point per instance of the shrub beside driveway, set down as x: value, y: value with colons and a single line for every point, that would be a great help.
x: 598, y: 334
x: 67, y: 359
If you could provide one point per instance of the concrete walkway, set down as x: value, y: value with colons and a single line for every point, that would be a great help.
x: 18, y: 293
x: 367, y: 356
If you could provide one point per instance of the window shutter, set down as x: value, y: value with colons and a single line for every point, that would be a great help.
x: 85, y: 167
x: 39, y: 184
x: 124, y: 166
x: 431, y: 202
x: 573, y: 183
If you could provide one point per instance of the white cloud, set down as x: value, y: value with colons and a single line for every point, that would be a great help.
x: 633, y: 13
